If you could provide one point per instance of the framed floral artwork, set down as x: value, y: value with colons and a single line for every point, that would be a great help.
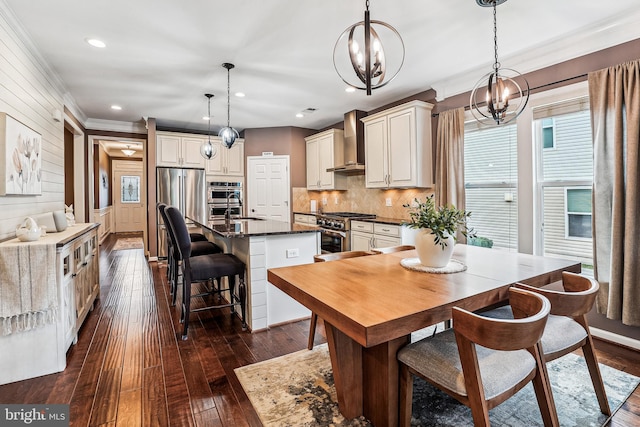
x: 21, y: 148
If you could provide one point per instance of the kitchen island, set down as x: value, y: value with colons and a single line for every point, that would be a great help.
x: 262, y: 244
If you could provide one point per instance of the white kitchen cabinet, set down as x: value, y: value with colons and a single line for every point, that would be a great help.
x: 368, y: 235
x: 304, y: 219
x: 398, y: 147
x: 325, y: 150
x: 226, y: 161
x: 179, y: 150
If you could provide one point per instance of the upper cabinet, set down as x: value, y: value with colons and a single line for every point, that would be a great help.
x: 226, y: 161
x: 325, y: 150
x: 398, y: 147
x: 179, y: 150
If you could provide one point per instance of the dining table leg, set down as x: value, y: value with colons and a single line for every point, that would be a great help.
x: 366, y: 379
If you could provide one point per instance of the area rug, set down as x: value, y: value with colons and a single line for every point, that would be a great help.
x: 298, y: 390
x: 128, y: 243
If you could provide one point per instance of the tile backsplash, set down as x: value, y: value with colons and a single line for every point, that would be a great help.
x: 359, y: 199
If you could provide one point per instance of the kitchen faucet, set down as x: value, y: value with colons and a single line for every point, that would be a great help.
x: 227, y: 212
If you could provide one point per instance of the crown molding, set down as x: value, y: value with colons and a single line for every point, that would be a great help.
x: 116, y: 126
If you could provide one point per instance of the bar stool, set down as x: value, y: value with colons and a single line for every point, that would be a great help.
x: 324, y: 258
x: 198, y: 247
x: 205, y: 268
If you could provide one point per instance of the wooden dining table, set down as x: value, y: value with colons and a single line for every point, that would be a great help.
x: 370, y: 305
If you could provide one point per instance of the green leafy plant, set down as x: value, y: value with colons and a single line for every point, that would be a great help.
x: 439, y: 219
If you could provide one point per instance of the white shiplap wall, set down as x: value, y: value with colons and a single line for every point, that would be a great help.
x: 30, y: 93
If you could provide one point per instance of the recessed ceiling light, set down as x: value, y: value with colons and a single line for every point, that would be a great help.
x: 205, y: 117
x: 299, y: 115
x: 96, y: 43
x: 116, y: 107
x: 240, y: 94
x: 350, y: 89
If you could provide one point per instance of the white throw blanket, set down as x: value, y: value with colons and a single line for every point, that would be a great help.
x: 28, y: 291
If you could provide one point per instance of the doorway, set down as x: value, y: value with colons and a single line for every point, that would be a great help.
x: 128, y: 196
x: 268, y: 187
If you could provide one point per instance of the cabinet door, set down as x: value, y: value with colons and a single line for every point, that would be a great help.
x: 214, y: 164
x: 191, y: 157
x: 360, y: 241
x: 325, y: 161
x: 313, y: 165
x: 235, y: 159
x: 385, y: 241
x: 168, y: 151
x: 402, y: 148
x: 375, y: 136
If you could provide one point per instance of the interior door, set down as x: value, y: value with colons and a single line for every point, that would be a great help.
x: 129, y: 208
x: 268, y: 188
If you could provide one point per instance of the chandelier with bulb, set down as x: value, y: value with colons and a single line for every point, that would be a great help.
x: 375, y: 63
x: 498, y: 98
x: 227, y: 133
x: 207, y: 149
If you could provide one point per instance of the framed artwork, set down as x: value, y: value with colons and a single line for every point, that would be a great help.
x: 130, y: 186
x: 21, y: 148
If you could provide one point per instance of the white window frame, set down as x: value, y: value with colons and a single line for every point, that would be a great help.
x: 567, y: 213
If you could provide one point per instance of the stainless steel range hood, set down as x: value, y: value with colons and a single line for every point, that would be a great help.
x: 353, y: 144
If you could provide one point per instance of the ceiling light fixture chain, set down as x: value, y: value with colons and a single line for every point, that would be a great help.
x: 498, y: 98
x: 228, y: 134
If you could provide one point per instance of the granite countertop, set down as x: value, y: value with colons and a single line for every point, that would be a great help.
x: 238, y: 228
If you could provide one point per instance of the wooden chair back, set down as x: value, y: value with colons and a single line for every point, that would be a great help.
x: 392, y: 249
x: 340, y: 255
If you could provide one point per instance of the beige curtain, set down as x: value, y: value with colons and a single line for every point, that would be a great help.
x: 449, y: 188
x: 615, y: 119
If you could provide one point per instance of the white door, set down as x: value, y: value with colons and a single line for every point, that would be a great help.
x: 128, y: 196
x: 268, y: 187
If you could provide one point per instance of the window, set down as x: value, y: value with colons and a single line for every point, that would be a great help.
x: 548, y: 133
x: 490, y: 171
x: 578, y: 213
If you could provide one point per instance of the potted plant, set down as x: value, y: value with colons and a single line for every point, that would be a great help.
x: 437, y: 230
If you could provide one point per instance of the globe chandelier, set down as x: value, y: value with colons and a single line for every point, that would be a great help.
x: 206, y: 149
x: 375, y: 63
x: 498, y: 98
x: 227, y: 133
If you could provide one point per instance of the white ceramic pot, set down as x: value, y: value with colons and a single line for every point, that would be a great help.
x: 430, y: 253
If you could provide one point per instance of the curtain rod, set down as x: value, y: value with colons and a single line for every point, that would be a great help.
x: 466, y: 107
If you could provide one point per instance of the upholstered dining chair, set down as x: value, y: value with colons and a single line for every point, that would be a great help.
x: 392, y: 249
x: 567, y: 328
x: 482, y: 362
x: 198, y: 247
x: 335, y: 256
x: 205, y: 268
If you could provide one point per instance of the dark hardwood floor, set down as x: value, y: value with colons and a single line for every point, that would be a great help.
x: 130, y: 368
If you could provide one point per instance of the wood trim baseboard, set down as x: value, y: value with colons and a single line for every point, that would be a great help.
x: 615, y: 338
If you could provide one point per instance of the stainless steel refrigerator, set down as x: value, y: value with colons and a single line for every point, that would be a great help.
x: 186, y: 190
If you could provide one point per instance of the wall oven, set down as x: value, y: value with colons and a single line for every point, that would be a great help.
x: 224, y: 199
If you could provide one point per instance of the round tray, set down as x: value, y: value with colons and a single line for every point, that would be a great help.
x: 454, y: 266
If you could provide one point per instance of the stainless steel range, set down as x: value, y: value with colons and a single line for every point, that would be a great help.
x: 335, y: 230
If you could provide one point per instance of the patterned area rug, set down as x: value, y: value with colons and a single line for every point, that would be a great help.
x: 128, y: 243
x: 297, y: 390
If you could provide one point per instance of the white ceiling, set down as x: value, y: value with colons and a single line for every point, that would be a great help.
x: 163, y: 55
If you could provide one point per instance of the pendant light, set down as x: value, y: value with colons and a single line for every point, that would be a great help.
x: 128, y: 151
x: 498, y: 98
x: 206, y: 149
x: 375, y: 63
x: 228, y: 134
